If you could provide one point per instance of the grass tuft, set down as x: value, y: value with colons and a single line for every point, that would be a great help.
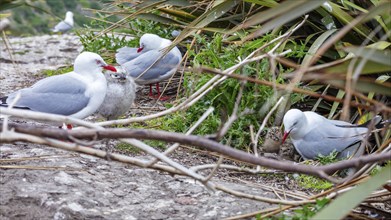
x: 58, y: 71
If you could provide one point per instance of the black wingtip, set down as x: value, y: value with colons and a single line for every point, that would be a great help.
x: 375, y: 121
x: 3, y: 103
x: 4, y: 100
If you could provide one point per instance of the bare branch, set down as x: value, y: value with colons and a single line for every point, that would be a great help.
x: 216, y: 166
x: 204, y: 143
x: 167, y: 160
x: 263, y: 199
x: 10, y: 136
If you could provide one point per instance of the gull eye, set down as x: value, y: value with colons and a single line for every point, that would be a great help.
x: 98, y: 62
x: 294, y: 125
x: 115, y: 76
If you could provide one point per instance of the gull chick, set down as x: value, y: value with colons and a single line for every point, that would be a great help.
x: 121, y: 92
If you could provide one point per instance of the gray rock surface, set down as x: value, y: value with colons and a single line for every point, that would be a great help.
x: 24, y: 58
x: 73, y: 186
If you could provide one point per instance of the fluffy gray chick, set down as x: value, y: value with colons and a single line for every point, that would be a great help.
x: 121, y: 92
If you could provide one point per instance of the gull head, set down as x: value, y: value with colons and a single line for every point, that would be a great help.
x: 68, y: 15
x: 294, y: 120
x: 69, y: 18
x: 150, y: 42
x: 118, y: 77
x: 91, y: 62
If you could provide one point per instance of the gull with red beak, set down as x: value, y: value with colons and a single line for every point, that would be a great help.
x: 313, y: 134
x: 77, y: 94
x: 146, y: 64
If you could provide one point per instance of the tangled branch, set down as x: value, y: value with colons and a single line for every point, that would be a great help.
x: 192, y: 140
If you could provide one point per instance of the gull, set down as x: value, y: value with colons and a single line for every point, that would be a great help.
x: 139, y: 62
x: 76, y: 94
x: 66, y: 24
x: 314, y: 135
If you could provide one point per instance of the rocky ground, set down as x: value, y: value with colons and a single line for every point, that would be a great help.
x: 40, y: 182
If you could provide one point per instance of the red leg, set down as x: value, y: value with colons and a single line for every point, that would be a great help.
x: 66, y: 126
x: 163, y: 98
x: 150, y: 90
x: 158, y: 89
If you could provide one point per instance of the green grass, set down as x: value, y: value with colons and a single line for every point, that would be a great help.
x: 58, y: 71
x: 377, y: 168
x: 105, y: 45
x: 128, y: 148
x: 313, y: 183
x: 331, y: 158
x: 153, y: 143
x: 21, y: 52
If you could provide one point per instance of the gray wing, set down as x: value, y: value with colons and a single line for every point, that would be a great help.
x: 126, y: 54
x: 328, y: 137
x: 62, y: 27
x: 138, y: 65
x: 61, y: 94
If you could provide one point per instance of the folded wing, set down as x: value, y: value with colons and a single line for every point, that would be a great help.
x: 58, y: 95
x: 163, y: 67
x: 328, y: 137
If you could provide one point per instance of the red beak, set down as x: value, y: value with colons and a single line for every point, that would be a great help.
x: 111, y: 68
x: 286, y: 134
x: 140, y: 49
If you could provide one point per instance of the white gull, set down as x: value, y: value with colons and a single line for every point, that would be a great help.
x: 137, y: 60
x: 66, y: 24
x: 77, y: 94
x: 313, y: 134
